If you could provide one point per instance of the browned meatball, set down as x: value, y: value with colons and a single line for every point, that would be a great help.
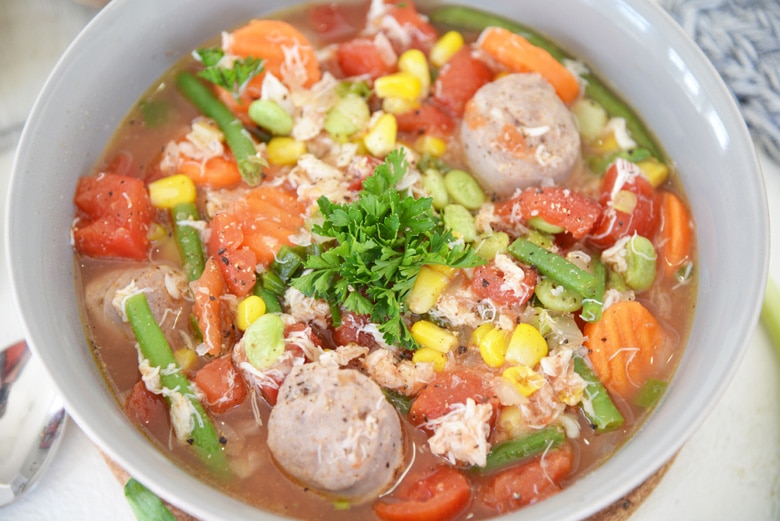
x: 516, y: 133
x: 333, y: 430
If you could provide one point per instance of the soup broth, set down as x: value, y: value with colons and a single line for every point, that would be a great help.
x: 477, y: 343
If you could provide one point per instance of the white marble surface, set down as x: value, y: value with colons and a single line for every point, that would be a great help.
x: 729, y: 470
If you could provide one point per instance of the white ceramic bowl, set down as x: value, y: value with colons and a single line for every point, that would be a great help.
x: 631, y: 43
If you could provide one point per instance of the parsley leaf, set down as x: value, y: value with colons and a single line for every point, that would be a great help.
x: 233, y: 78
x: 380, y: 242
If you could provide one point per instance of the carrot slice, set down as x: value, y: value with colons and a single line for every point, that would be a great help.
x: 675, y: 235
x: 621, y: 346
x: 519, y: 55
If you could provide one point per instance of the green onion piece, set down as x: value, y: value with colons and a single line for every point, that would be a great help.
x: 602, y: 415
x: 558, y: 269
x: 145, y: 504
x: 155, y: 348
x: 250, y: 164
x: 512, y: 451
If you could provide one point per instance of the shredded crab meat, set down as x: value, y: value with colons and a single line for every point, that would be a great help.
x: 567, y: 385
x: 343, y: 355
x: 403, y: 376
x: 461, y: 435
x: 306, y: 309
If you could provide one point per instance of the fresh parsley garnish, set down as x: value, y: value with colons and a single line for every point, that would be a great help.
x: 381, y: 240
x: 233, y: 78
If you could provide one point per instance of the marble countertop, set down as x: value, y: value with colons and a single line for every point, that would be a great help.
x: 730, y: 468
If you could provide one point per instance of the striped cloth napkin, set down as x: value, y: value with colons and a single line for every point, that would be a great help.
x: 742, y: 40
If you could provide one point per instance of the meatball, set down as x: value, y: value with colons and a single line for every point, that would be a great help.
x: 333, y: 430
x: 516, y: 133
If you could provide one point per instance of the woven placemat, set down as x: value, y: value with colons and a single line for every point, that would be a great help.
x: 742, y: 40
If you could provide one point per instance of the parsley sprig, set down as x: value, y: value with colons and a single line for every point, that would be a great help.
x: 382, y: 239
x: 233, y: 78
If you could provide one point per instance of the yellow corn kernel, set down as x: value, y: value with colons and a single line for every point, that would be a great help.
x: 449, y: 271
x: 526, y: 346
x: 510, y: 421
x: 172, y: 190
x: 380, y: 140
x: 655, y: 171
x: 524, y: 379
x: 414, y: 62
x: 428, y: 285
x: 404, y: 85
x: 493, y: 347
x: 427, y: 144
x: 397, y: 106
x: 157, y: 232
x: 249, y: 310
x: 427, y: 334
x: 431, y: 356
x: 446, y: 46
x: 185, y: 358
x: 606, y: 144
x: 624, y: 201
x: 479, y: 333
x: 283, y: 150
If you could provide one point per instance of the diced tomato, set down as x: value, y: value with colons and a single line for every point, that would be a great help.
x: 574, y: 212
x: 113, y: 218
x: 529, y: 482
x: 450, y: 388
x: 334, y: 22
x: 360, y: 57
x: 426, y: 119
x: 144, y: 407
x: 613, y: 224
x: 489, y: 282
x: 352, y: 329
x: 459, y: 79
x: 422, y: 34
x: 438, y: 496
x: 222, y: 385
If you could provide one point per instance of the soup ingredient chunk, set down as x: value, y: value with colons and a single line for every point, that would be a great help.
x: 516, y: 133
x: 334, y: 430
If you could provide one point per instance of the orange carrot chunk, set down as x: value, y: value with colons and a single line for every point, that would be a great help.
x: 675, y: 235
x: 519, y: 55
x: 621, y: 346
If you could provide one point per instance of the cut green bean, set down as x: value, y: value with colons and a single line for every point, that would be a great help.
x: 598, y: 407
x: 558, y: 269
x: 512, y: 451
x: 469, y: 19
x: 464, y: 190
x: 250, y: 163
x: 145, y: 504
x: 593, y: 306
x: 188, y: 239
x: 287, y: 263
x: 271, y: 116
x: 650, y: 393
x: 273, y: 283
x: 272, y: 304
x: 155, y: 349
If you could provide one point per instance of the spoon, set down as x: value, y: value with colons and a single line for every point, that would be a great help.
x: 32, y: 419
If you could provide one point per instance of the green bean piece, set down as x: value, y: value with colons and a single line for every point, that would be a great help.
x: 602, y: 413
x: 558, y: 269
x: 593, y: 306
x: 469, y: 19
x: 155, y: 348
x: 271, y: 116
x: 543, y: 226
x: 287, y: 263
x: 272, y: 304
x: 460, y: 221
x: 273, y: 283
x: 464, y: 190
x: 145, y: 504
x: 650, y: 393
x: 512, y: 451
x: 556, y: 297
x: 433, y: 184
x: 188, y: 239
x: 640, y: 260
x: 250, y: 163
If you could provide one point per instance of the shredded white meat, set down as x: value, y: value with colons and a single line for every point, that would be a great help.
x: 461, y: 435
x: 403, y: 376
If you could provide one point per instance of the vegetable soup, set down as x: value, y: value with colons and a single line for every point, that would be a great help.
x: 365, y: 261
